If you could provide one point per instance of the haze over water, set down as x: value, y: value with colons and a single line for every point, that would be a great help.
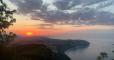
x: 100, y: 41
x: 91, y: 20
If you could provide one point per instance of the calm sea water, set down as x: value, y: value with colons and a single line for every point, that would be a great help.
x: 100, y: 41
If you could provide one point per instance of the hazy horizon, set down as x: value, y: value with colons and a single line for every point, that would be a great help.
x: 57, y: 29
x: 43, y: 17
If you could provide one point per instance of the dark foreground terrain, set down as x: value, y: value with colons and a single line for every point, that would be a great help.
x: 40, y: 48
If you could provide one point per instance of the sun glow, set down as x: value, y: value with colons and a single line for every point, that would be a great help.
x: 29, y: 33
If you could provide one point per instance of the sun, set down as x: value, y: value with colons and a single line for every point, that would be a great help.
x: 29, y: 33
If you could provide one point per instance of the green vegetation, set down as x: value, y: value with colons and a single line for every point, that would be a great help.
x: 104, y: 56
x: 6, y: 20
x: 27, y: 52
x: 30, y: 51
x: 21, y: 52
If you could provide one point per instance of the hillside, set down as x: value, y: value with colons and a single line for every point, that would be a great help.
x: 58, y: 46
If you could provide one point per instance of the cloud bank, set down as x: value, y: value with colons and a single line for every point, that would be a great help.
x: 88, y: 12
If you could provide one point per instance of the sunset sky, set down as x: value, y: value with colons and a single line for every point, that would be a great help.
x: 52, y: 17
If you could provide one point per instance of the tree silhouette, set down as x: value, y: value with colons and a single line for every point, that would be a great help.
x: 104, y: 55
x: 6, y: 20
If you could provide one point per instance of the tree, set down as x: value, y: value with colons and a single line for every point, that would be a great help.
x: 6, y: 20
x: 104, y: 55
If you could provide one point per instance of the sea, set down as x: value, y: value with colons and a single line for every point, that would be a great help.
x: 100, y: 41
